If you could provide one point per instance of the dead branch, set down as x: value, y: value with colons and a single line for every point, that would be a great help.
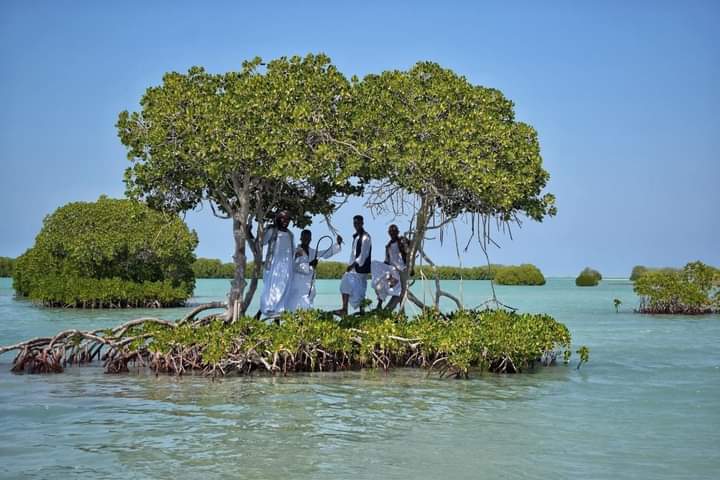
x: 201, y: 308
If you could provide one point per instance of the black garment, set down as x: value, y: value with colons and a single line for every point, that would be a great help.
x: 365, y: 267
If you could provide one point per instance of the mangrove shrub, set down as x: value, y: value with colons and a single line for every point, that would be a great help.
x: 588, y: 278
x: 6, y: 266
x: 525, y: 274
x: 109, y: 253
x: 639, y: 270
x: 452, y: 345
x: 212, y: 268
x: 688, y: 291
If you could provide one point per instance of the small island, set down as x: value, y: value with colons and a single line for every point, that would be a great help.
x: 588, y: 278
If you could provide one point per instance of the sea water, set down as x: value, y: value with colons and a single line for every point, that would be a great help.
x: 646, y: 406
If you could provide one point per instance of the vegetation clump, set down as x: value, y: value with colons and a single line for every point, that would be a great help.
x: 212, y: 268
x: 308, y: 341
x: 588, y: 278
x: 6, y: 266
x: 689, y: 291
x: 108, y: 254
x: 639, y: 270
x: 525, y: 274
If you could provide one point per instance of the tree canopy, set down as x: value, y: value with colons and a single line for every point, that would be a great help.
x: 438, y: 147
x: 109, y: 253
x: 588, y: 278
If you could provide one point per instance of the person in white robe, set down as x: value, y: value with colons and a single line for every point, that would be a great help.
x: 354, y: 282
x: 388, y: 277
x: 278, y: 274
x: 302, y: 291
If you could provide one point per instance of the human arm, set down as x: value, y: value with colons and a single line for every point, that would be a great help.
x: 269, y: 234
x: 333, y: 250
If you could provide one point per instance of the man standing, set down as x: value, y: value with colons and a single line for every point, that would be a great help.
x: 354, y: 281
x: 389, y: 278
x: 277, y: 277
x: 302, y: 291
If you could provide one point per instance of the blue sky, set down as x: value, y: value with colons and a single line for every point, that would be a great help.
x: 624, y: 96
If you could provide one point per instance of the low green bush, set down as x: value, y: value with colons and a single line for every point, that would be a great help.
x: 639, y: 270
x: 109, y: 253
x: 6, y: 266
x: 497, y: 341
x: 525, y: 274
x: 689, y: 291
x: 588, y: 278
x: 214, y: 268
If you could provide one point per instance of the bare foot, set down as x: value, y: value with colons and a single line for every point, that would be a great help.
x: 339, y: 312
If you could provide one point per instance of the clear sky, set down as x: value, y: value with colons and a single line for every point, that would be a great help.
x: 624, y: 95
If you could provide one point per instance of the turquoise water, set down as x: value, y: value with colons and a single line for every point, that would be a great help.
x: 646, y: 406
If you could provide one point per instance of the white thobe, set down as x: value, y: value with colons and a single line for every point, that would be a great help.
x: 353, y: 283
x: 386, y: 280
x: 302, y: 291
x: 277, y: 277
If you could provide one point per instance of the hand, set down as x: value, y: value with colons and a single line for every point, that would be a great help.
x: 339, y: 240
x: 349, y: 268
x: 314, y: 263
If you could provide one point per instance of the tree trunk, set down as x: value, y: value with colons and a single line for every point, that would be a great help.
x: 237, y: 286
x: 422, y: 218
x: 240, y: 217
x: 256, y: 248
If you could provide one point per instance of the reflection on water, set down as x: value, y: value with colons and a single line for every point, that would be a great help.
x: 646, y: 406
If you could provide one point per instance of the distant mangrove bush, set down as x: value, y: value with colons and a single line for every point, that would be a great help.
x: 588, y: 278
x: 6, y: 266
x: 639, y: 270
x: 108, y: 254
x: 214, y: 268
x: 688, y: 291
x: 525, y: 274
x: 452, y: 345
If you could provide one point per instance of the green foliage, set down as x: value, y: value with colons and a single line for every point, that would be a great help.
x: 689, y: 291
x: 6, y: 266
x: 584, y: 353
x: 456, y: 273
x: 109, y: 253
x: 201, y: 136
x: 639, y: 270
x: 497, y: 341
x: 588, y: 278
x: 525, y: 274
x: 213, y: 268
x: 455, y: 145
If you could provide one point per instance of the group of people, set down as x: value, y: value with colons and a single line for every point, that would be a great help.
x: 289, y: 275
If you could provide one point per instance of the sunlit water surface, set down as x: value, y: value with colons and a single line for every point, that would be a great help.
x: 646, y: 406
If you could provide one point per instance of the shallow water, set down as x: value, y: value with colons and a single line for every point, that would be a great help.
x: 646, y: 406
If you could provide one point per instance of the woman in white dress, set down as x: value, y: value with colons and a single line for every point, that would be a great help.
x: 302, y: 291
x: 388, y: 276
